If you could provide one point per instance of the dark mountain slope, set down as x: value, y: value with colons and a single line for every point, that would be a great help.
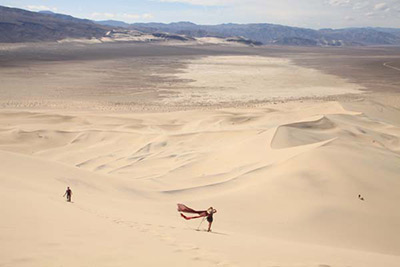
x: 17, y: 25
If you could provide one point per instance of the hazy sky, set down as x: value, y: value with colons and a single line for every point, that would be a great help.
x: 302, y: 13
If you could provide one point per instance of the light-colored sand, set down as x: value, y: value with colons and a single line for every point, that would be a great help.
x: 284, y: 178
x: 164, y: 83
x: 219, y: 79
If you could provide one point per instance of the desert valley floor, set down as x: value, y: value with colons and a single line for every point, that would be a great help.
x: 281, y: 141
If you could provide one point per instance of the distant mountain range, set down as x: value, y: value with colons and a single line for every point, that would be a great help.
x: 276, y: 34
x: 17, y: 25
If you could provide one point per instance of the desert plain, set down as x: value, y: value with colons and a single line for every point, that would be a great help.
x: 280, y: 140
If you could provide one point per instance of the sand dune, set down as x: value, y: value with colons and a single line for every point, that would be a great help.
x: 281, y: 150
x: 284, y: 178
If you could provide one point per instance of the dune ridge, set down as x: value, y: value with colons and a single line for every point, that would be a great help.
x: 284, y: 178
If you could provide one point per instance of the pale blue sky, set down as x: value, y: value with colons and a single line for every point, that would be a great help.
x: 302, y: 13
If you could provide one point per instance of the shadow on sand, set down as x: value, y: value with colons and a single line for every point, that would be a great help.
x: 212, y: 232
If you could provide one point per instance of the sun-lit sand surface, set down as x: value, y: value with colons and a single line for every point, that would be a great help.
x: 284, y: 176
x: 232, y: 79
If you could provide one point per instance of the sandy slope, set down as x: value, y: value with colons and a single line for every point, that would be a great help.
x: 284, y: 178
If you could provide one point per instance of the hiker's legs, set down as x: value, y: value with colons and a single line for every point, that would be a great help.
x: 69, y: 198
x: 209, y: 227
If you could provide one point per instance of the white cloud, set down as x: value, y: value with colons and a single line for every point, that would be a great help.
x: 130, y: 16
x: 367, y: 12
x: 102, y: 15
x: 135, y: 16
x: 370, y: 5
x: 147, y: 16
x: 381, y: 6
x: 339, y: 2
x: 40, y: 8
x: 360, y: 5
x: 109, y: 15
x: 121, y: 16
x: 203, y: 2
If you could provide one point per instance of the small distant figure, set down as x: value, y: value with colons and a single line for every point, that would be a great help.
x: 210, y: 218
x: 360, y: 197
x: 68, y: 193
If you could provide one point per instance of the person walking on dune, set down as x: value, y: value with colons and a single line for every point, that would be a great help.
x: 68, y: 193
x: 205, y: 214
x: 210, y: 218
